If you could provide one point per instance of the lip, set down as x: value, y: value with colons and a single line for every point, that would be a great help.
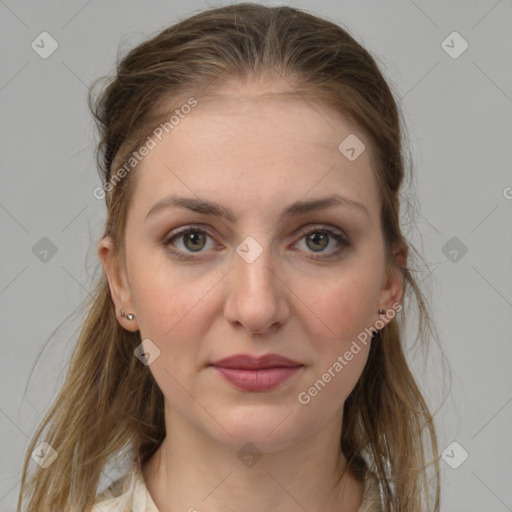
x: 256, y: 373
x: 249, y: 362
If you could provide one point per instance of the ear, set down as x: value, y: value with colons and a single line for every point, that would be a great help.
x: 392, y: 291
x: 118, y: 283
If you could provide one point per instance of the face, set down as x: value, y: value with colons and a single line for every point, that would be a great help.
x: 302, y: 283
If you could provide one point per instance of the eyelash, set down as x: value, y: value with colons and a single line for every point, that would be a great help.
x: 343, y: 241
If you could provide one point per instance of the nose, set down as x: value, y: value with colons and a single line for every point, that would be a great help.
x: 256, y: 295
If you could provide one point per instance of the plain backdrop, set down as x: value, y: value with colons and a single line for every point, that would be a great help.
x: 457, y: 103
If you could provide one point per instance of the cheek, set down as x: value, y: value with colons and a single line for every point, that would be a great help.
x: 163, y: 294
x: 340, y: 347
x: 336, y: 318
x: 327, y: 391
x: 341, y: 308
x: 173, y: 315
x: 174, y: 311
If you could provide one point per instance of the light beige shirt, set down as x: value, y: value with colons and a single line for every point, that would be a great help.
x: 130, y: 494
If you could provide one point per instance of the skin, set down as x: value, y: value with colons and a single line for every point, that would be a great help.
x: 255, y: 151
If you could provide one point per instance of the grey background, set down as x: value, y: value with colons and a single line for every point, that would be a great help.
x: 459, y: 116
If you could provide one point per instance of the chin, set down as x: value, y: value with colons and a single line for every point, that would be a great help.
x: 269, y: 429
x: 258, y: 440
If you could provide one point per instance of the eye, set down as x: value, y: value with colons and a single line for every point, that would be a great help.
x: 193, y: 239
x: 319, y: 238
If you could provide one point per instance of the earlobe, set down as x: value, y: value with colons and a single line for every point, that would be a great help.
x: 118, y: 284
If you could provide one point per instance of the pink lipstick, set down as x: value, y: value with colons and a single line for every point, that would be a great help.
x: 255, y: 374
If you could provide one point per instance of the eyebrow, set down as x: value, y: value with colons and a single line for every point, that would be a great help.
x: 216, y: 209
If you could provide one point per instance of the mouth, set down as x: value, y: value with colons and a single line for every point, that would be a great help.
x: 256, y: 374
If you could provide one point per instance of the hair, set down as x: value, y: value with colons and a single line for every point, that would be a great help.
x: 108, y: 400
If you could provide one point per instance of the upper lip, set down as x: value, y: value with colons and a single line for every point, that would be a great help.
x: 249, y: 362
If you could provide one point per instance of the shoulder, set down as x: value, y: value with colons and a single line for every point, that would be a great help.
x: 127, y: 493
x: 130, y: 493
x: 119, y: 496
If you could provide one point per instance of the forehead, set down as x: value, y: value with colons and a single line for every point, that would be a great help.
x: 255, y: 143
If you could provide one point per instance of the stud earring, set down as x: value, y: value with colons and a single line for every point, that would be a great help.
x: 376, y: 333
x: 129, y: 316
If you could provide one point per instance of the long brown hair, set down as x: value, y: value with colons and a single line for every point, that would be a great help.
x: 109, y: 401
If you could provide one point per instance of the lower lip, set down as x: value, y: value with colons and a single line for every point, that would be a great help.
x: 263, y: 379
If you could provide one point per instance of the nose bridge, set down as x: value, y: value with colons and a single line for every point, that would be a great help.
x: 256, y: 296
x: 254, y: 265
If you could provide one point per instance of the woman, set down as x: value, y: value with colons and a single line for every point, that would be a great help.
x: 244, y: 342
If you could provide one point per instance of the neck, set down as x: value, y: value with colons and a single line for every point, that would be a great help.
x: 191, y: 470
